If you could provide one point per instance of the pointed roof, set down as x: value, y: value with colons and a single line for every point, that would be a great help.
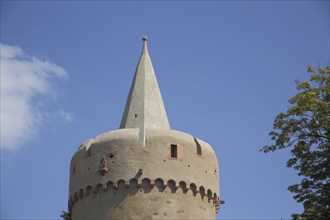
x: 144, y: 106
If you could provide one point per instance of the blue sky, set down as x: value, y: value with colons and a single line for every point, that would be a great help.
x: 225, y: 70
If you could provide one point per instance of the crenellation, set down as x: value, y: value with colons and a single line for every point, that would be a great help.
x: 146, y: 187
x: 88, y: 190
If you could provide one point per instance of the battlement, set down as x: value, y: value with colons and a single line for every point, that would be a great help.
x: 146, y: 185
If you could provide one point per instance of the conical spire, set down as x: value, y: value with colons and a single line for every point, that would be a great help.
x: 144, y: 106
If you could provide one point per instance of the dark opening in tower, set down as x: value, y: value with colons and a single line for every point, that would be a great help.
x: 174, y: 151
x: 198, y: 147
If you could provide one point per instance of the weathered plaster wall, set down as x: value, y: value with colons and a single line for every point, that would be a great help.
x: 144, y: 182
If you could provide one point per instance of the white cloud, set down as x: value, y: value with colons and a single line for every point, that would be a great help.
x: 23, y: 78
x: 67, y: 116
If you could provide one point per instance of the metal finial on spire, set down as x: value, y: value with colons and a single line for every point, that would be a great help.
x: 145, y: 47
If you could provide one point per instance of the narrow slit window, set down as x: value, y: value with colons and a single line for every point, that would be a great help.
x: 198, y: 147
x: 174, y: 151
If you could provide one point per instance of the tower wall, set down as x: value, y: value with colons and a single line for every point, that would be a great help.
x: 112, y: 177
x: 146, y: 201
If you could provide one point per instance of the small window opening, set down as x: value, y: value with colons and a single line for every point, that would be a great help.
x: 198, y: 147
x: 174, y: 151
x: 135, y: 115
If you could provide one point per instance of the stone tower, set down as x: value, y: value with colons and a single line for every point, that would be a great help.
x: 144, y: 170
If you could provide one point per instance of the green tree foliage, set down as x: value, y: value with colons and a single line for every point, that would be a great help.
x: 66, y: 215
x: 305, y: 129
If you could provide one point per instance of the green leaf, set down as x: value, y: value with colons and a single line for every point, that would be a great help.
x: 305, y: 128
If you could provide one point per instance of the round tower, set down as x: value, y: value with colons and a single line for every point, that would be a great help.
x: 144, y: 170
